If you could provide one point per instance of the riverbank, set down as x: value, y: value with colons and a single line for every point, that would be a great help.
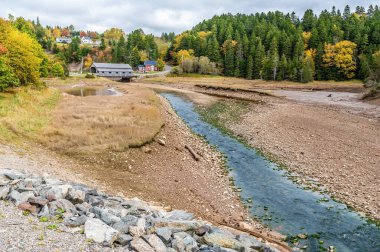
x: 333, y: 144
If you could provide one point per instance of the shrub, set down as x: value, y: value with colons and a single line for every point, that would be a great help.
x: 90, y: 76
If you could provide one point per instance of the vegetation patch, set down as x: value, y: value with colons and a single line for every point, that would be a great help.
x: 25, y: 111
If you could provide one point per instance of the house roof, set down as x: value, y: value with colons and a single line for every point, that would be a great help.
x: 111, y: 66
x: 150, y: 62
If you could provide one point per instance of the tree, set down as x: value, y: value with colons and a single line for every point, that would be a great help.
x: 7, y: 77
x: 57, y: 70
x: 341, y: 56
x: 213, y: 52
x: 249, y: 68
x: 160, y: 64
x: 229, y: 57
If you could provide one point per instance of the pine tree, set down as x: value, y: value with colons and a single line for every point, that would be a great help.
x: 213, y: 49
x: 249, y: 74
x: 229, y: 59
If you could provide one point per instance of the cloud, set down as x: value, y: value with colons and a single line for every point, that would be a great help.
x: 152, y: 16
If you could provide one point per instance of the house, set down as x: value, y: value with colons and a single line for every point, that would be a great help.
x: 123, y: 71
x: 64, y: 40
x: 150, y: 66
x: 86, y: 40
x: 141, y: 68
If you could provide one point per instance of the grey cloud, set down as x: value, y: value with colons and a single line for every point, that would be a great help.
x: 153, y: 16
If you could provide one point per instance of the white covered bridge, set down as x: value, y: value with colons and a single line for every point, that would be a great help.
x: 109, y: 70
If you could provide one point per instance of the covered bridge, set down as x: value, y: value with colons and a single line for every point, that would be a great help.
x: 123, y: 71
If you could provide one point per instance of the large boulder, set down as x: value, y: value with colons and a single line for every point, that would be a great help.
x: 19, y: 198
x: 184, y: 242
x: 155, y: 243
x: 62, y: 206
x: 4, y: 190
x: 222, y: 239
x: 100, y: 232
x: 140, y: 245
x: 75, y: 196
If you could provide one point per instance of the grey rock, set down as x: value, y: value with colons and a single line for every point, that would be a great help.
x: 83, y: 208
x: 249, y: 242
x: 105, y: 216
x: 267, y: 248
x: 202, y: 230
x: 123, y: 239
x: 4, y: 180
x: 4, y: 190
x: 121, y: 226
x: 184, y: 242
x: 94, y: 200
x: 31, y: 182
x: 44, y: 212
x: 140, y: 245
x: 19, y: 198
x: 222, y: 239
x: 57, y: 192
x: 57, y: 206
x: 38, y: 201
x: 176, y: 225
x: 155, y: 243
x: 13, y: 175
x: 130, y: 220
x: 139, y: 229
x: 75, y: 196
x: 165, y: 234
x: 99, y: 232
x: 179, y: 215
x: 75, y: 221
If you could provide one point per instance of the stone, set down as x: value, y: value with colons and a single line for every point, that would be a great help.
x: 27, y: 207
x: 155, y: 243
x: 83, y: 208
x: 38, y: 201
x: 123, y: 239
x: 121, y: 226
x: 175, y: 225
x: 75, y: 221
x: 62, y: 205
x: 99, y: 232
x: 267, y: 248
x: 13, y: 175
x: 94, y: 200
x: 179, y: 215
x: 19, y: 198
x: 161, y: 142
x: 202, y: 230
x: 249, y: 242
x: 4, y: 190
x: 57, y: 192
x: 165, y: 234
x: 105, y: 216
x: 130, y: 220
x: 146, y: 150
x: 75, y: 196
x: 139, y: 229
x: 140, y: 245
x: 44, y: 212
x: 222, y: 239
x: 184, y: 242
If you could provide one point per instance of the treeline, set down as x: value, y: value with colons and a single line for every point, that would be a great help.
x: 277, y: 46
x: 22, y: 59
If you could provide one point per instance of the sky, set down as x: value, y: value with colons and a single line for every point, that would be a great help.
x: 151, y: 15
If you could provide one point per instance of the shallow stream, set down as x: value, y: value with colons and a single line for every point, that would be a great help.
x: 277, y: 201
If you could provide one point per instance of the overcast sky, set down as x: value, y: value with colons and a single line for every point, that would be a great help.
x: 153, y: 16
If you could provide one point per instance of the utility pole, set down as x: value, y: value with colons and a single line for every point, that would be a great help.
x: 81, y: 66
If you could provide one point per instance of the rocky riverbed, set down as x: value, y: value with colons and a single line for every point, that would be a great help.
x: 54, y: 215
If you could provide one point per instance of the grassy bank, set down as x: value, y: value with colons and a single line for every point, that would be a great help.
x: 25, y: 111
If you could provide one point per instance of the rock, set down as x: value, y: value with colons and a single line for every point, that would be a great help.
x: 165, y: 234
x: 139, y: 229
x: 140, y: 245
x: 94, y: 200
x: 302, y: 236
x: 249, y: 242
x: 179, y: 215
x: 222, y: 240
x: 44, y: 212
x: 123, y: 239
x: 202, y: 230
x: 27, y: 207
x: 161, y: 142
x: 147, y: 150
x: 130, y: 220
x: 184, y: 242
x: 75, y: 196
x: 105, y: 216
x: 19, y: 198
x: 13, y: 175
x: 75, y: 221
x: 267, y: 248
x: 57, y: 192
x: 121, y: 226
x: 83, y: 208
x: 38, y: 201
x: 4, y: 180
x: 175, y: 225
x: 4, y: 190
x: 99, y: 232
x: 155, y: 243
x: 62, y: 205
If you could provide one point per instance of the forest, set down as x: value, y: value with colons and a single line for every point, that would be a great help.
x: 333, y: 45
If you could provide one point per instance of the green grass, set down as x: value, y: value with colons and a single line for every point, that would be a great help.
x: 195, y: 75
x: 25, y: 111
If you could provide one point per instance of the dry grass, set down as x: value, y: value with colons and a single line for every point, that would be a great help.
x: 256, y: 84
x: 98, y: 123
x: 25, y: 111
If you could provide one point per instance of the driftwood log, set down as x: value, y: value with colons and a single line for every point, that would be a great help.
x: 195, y: 155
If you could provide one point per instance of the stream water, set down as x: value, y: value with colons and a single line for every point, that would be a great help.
x: 277, y: 201
x: 93, y: 91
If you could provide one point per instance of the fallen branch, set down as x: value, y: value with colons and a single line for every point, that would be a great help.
x: 195, y: 156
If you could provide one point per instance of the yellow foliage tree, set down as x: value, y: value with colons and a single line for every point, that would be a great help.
x: 341, y: 56
x: 306, y: 37
x: 181, y: 55
x: 25, y: 55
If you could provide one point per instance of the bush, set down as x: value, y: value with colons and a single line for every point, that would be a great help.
x: 90, y: 76
x: 7, y: 77
x: 176, y: 70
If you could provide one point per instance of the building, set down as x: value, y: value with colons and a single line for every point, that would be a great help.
x: 150, y: 66
x: 86, y: 40
x: 123, y: 71
x: 64, y: 40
